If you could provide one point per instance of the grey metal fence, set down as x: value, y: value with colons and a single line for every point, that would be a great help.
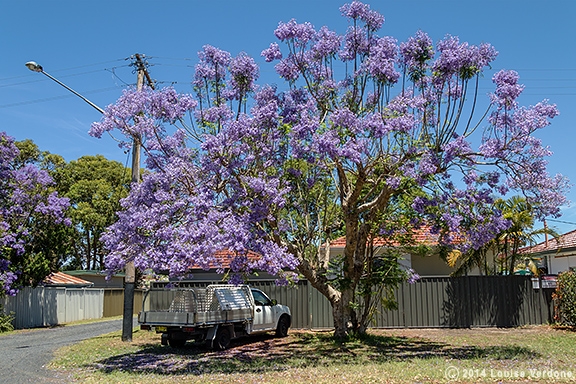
x: 45, y: 306
x: 456, y: 302
x: 472, y: 301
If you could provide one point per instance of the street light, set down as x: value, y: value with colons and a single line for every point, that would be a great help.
x: 35, y: 67
x: 130, y: 271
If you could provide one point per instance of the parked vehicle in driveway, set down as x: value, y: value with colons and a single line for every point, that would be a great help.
x: 214, y: 315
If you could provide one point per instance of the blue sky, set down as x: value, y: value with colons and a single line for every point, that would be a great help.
x: 87, y: 45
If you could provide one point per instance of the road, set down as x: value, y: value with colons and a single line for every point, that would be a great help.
x: 24, y: 355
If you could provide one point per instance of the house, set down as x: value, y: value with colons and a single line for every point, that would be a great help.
x: 98, y: 278
x: 61, y: 279
x: 428, y: 264
x: 557, y: 254
x: 224, y: 257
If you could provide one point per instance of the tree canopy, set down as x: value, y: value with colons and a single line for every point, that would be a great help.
x: 94, y: 185
x: 52, y: 212
x: 369, y: 138
x: 29, y: 209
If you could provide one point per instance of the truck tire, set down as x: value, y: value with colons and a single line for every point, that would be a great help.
x: 177, y: 343
x: 222, y: 339
x: 282, y: 328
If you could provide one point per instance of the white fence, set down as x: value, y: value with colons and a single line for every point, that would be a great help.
x: 45, y: 306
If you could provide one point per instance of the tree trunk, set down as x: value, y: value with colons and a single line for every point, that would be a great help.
x: 94, y: 256
x: 341, y: 320
x: 337, y: 299
x: 341, y: 312
x: 88, y: 250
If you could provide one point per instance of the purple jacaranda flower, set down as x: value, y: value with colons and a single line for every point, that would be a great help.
x: 393, y: 182
x: 327, y: 43
x: 458, y: 147
x: 382, y: 60
x: 507, y: 88
x: 461, y: 59
x: 243, y: 72
x: 139, y: 112
x: 287, y: 69
x: 215, y: 56
x: 360, y: 11
x: 346, y: 119
x: 417, y: 51
x: 355, y: 43
x: 428, y: 164
x: 272, y: 53
x: 413, y: 277
x: 301, y: 34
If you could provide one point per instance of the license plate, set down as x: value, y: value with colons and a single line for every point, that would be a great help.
x: 161, y: 329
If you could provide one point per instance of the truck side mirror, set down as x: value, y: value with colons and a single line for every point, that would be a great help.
x: 274, y: 302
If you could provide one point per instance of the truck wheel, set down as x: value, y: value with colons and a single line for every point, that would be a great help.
x: 222, y: 339
x: 176, y: 343
x: 282, y: 328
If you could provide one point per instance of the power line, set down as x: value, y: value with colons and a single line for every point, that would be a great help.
x: 546, y: 69
x: 65, y: 69
x: 561, y: 221
x: 113, y: 72
x: 41, y: 79
x: 55, y: 98
x: 91, y: 65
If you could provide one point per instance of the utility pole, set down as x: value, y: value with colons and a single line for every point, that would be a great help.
x: 130, y: 274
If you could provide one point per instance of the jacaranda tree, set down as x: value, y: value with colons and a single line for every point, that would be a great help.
x: 28, y: 207
x: 369, y: 138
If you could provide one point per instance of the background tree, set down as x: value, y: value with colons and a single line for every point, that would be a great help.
x: 363, y: 123
x: 29, y: 207
x: 94, y: 186
x: 521, y: 233
x: 502, y: 254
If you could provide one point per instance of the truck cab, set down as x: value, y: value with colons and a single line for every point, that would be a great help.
x: 267, y: 314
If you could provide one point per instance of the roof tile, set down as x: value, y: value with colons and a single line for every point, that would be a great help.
x: 225, y: 257
x: 567, y: 240
x: 60, y: 278
x: 421, y: 236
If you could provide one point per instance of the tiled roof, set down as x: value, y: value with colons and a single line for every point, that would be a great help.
x: 225, y: 257
x: 421, y: 236
x: 567, y: 240
x: 60, y: 278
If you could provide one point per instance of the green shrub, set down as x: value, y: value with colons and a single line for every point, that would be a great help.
x: 565, y: 299
x: 6, y: 320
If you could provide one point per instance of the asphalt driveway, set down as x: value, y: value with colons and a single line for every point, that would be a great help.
x: 23, y: 356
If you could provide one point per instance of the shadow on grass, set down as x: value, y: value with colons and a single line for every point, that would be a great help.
x: 264, y: 353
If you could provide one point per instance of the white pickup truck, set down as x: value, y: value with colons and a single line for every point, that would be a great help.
x: 214, y: 315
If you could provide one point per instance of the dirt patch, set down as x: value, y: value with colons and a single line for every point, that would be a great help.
x: 445, y: 333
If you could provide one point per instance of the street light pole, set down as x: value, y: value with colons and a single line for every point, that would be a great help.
x: 130, y: 276
x: 34, y: 66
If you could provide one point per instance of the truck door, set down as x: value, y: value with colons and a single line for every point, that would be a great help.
x: 263, y: 312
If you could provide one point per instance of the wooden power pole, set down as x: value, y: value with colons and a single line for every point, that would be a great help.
x: 130, y: 270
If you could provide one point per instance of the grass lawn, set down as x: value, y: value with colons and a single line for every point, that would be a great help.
x: 527, y: 354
